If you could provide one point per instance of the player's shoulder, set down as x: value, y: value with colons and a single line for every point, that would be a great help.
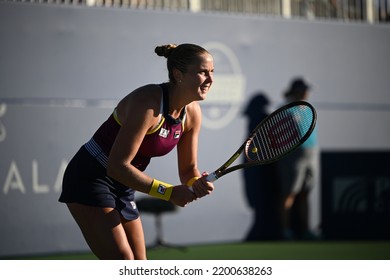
x: 145, y: 98
x: 193, y: 108
x: 194, y: 113
x: 148, y: 94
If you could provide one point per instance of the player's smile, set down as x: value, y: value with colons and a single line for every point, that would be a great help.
x: 205, y: 88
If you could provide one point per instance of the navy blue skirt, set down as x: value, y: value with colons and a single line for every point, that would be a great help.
x: 85, y: 182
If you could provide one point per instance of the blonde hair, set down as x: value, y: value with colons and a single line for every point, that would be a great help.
x: 179, y: 56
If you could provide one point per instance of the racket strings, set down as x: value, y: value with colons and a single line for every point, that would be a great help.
x: 280, y: 133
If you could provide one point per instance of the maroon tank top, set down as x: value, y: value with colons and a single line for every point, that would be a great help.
x: 158, y: 142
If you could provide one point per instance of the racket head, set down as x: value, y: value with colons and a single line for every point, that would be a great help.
x: 280, y: 133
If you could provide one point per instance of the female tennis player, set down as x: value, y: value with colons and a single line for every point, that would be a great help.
x: 101, y: 179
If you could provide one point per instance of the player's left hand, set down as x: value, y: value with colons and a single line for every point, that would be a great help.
x: 202, y: 187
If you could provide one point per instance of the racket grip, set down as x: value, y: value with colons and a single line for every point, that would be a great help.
x: 210, y: 178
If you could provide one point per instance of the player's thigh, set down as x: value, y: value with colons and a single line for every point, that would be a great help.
x: 135, y: 235
x: 103, y: 231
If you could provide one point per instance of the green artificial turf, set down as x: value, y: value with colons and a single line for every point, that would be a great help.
x: 317, y: 250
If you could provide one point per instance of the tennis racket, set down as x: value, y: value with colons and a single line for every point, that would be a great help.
x: 280, y: 133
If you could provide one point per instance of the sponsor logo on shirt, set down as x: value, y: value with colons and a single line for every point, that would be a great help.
x: 164, y: 132
x: 177, y: 134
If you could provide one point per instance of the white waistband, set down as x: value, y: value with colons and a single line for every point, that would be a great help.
x: 94, y: 149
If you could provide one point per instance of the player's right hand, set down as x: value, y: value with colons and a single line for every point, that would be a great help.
x: 182, y: 195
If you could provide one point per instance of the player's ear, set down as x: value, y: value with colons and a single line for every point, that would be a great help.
x: 178, y: 75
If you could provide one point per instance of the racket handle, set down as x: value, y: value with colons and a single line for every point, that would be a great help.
x: 210, y: 178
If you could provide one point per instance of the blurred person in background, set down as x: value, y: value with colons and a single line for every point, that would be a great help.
x: 298, y: 174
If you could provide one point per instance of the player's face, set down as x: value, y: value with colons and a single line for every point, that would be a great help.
x: 199, y: 76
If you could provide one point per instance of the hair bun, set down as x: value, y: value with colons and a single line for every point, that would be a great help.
x: 165, y: 50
